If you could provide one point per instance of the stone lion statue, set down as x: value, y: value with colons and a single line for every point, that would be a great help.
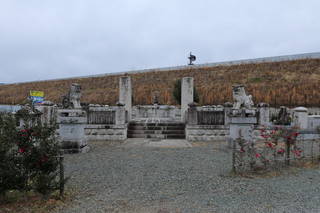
x: 72, y: 99
x: 240, y: 98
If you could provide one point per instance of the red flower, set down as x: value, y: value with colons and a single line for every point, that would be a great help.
x: 297, y: 152
x: 270, y: 145
x: 44, y: 159
x: 295, y: 134
x: 242, y: 149
x: 21, y: 150
x: 280, y: 151
x: 258, y: 155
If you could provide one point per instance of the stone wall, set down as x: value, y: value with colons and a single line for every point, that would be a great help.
x: 206, y: 133
x: 96, y: 132
x: 162, y: 112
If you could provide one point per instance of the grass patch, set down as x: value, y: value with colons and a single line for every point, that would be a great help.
x: 255, y: 80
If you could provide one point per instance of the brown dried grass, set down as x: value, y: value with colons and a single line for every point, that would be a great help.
x: 289, y: 83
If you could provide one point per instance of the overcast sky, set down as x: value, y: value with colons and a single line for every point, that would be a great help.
x: 45, y: 39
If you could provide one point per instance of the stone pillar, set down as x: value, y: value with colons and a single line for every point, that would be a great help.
x: 125, y: 94
x: 227, y: 112
x: 72, y: 123
x: 264, y: 114
x: 300, y: 117
x: 241, y: 127
x: 49, y: 114
x: 120, y: 115
x: 186, y: 95
x: 192, y: 116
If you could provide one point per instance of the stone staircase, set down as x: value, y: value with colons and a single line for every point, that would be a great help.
x: 169, y: 130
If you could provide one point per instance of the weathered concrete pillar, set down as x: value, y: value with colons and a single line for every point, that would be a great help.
x: 192, y: 115
x: 227, y: 113
x: 264, y: 114
x: 241, y: 127
x: 72, y: 123
x: 186, y: 95
x: 300, y: 117
x: 120, y: 115
x: 125, y: 94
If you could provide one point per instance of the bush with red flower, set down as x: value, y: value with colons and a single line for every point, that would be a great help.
x: 271, y: 146
x: 28, y: 156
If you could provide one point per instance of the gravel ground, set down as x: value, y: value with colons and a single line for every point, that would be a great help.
x: 122, y: 178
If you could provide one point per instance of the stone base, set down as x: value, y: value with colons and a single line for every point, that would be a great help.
x: 106, y: 132
x: 206, y: 133
x: 241, y: 126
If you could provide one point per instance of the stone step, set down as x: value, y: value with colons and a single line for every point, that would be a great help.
x: 161, y: 136
x: 133, y: 127
x: 155, y: 124
x: 166, y: 132
x: 172, y: 130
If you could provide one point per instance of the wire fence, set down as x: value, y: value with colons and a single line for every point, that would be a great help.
x: 262, y: 155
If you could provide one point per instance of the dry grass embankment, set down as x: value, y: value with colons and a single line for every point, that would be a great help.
x: 288, y: 83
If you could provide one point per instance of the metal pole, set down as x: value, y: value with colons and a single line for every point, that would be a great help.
x: 61, y: 157
x: 233, y: 156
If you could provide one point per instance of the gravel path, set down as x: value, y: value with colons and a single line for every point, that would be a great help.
x: 122, y: 178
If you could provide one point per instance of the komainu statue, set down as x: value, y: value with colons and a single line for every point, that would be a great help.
x: 240, y: 98
x: 72, y: 99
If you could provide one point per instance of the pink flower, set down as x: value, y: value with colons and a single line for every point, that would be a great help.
x: 242, y: 149
x: 258, y: 155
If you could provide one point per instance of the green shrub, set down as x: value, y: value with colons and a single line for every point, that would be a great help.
x: 28, y: 156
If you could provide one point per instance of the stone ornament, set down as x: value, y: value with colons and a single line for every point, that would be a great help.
x: 72, y: 99
x: 240, y: 98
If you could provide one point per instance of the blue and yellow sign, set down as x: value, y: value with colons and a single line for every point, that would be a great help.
x: 37, y: 96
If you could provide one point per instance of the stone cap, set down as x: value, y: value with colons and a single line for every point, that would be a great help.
x: 300, y: 109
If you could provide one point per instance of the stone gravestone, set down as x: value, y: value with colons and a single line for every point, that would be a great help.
x: 264, y: 114
x: 300, y: 117
x: 283, y: 117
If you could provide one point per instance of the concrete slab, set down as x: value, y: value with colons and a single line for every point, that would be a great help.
x: 164, y: 143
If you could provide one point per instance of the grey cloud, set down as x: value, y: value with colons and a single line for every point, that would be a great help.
x: 42, y: 39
